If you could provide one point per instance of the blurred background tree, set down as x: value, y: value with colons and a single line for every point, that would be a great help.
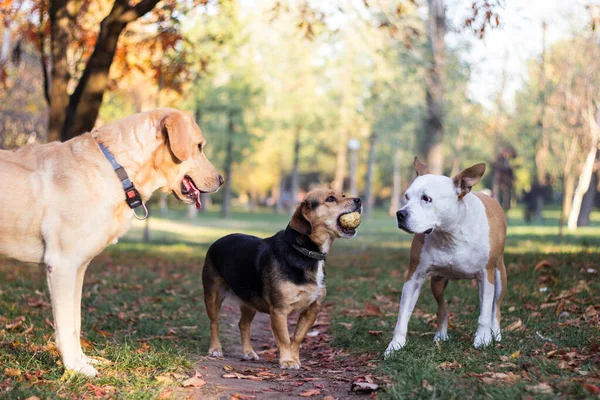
x: 297, y: 94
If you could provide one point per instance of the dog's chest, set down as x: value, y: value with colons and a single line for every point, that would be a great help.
x: 464, y: 257
x: 299, y: 297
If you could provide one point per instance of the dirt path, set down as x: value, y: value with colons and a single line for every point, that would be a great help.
x: 326, y: 372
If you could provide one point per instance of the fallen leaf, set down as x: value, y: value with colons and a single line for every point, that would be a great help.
x: 227, y: 367
x: 17, y: 322
x: 516, y: 354
x: 346, y: 325
x: 447, y: 365
x: 515, y: 325
x: 163, y: 378
x: 32, y: 398
x: 329, y: 397
x: 239, y: 396
x: 593, y: 389
x: 375, y: 333
x: 195, y: 381
x: 310, y: 393
x: 542, y: 264
x: 12, y: 372
x: 364, y: 387
x: 235, y: 375
x: 540, y: 388
x: 372, y: 310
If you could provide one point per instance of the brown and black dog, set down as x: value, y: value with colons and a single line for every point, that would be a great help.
x: 279, y: 275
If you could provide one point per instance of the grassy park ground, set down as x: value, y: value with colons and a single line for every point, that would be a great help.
x: 143, y: 311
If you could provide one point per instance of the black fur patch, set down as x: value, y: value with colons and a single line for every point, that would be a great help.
x: 314, y: 204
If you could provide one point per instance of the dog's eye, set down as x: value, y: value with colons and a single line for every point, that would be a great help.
x: 406, y: 197
x: 426, y: 198
x: 330, y: 199
x: 200, y: 146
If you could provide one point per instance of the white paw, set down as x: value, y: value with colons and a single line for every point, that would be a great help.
x: 80, y: 367
x: 395, y: 344
x: 441, y: 337
x: 251, y: 355
x: 483, y: 337
x: 215, y: 353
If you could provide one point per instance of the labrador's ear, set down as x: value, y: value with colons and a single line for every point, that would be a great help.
x: 468, y: 178
x: 299, y: 221
x: 178, y: 134
x: 420, y: 168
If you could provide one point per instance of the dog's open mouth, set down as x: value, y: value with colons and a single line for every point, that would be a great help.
x: 191, y: 191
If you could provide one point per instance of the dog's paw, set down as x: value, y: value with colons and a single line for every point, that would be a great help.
x: 289, y: 364
x: 441, y: 337
x: 483, y: 338
x: 216, y: 352
x: 395, y: 344
x: 78, y: 368
x: 251, y: 355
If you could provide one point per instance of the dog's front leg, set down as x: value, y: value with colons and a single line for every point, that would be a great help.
x: 306, y: 319
x: 486, y: 286
x: 410, y: 294
x: 279, y: 326
x: 62, y: 284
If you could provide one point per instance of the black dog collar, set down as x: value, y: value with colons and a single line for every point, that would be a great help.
x: 132, y: 196
x: 316, y: 255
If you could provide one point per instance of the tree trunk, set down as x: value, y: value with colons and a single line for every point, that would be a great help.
x: 368, y: 200
x: 340, y: 168
x: 541, y: 154
x: 587, y: 204
x: 569, y: 182
x: 280, y: 192
x: 206, y: 201
x: 569, y: 188
x: 163, y: 204
x: 396, y: 202
x: 226, y: 209
x: 586, y: 172
x: 59, y: 95
x: 146, y: 237
x: 460, y: 142
x: 431, y: 142
x: 84, y: 104
x: 353, y: 172
x: 295, y: 170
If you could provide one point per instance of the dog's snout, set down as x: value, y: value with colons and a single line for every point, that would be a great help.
x: 401, y: 215
x: 221, y: 180
x: 357, y: 201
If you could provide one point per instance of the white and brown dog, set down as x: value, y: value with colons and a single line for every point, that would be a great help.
x: 458, y: 235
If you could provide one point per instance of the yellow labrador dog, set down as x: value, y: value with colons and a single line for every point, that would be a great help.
x: 61, y: 204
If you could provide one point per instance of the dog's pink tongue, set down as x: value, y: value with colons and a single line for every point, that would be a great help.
x: 198, y: 203
x: 189, y: 186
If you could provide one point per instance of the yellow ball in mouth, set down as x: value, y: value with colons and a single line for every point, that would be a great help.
x: 351, y: 220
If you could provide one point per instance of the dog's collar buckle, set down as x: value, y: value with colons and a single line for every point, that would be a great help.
x: 132, y: 196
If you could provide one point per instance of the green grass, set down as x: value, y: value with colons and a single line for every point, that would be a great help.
x: 143, y: 310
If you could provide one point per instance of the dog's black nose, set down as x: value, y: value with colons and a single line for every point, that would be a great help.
x: 401, y: 215
x: 221, y: 180
x: 358, y: 201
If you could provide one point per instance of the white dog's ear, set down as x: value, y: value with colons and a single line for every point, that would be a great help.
x: 421, y: 168
x: 177, y: 131
x: 299, y: 221
x: 468, y: 178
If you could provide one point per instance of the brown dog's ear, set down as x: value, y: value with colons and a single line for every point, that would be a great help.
x: 421, y: 168
x: 468, y: 178
x: 299, y: 221
x: 178, y: 134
